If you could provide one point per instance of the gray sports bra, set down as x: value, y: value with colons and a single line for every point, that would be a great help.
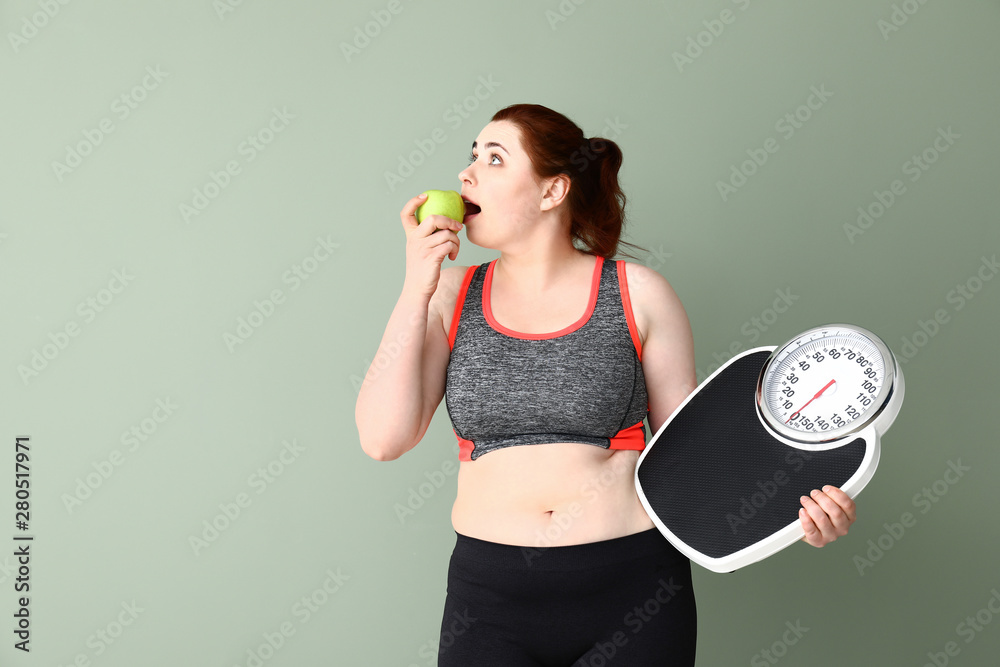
x: 583, y: 383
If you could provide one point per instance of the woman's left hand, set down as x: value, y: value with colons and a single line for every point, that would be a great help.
x: 826, y: 515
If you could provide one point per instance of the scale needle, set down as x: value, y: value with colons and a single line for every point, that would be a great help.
x: 818, y: 394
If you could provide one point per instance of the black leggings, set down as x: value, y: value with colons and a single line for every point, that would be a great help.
x: 624, y: 601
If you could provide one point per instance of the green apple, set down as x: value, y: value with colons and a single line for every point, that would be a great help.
x: 442, y: 202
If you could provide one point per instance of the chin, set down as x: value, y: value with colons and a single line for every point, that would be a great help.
x: 473, y: 237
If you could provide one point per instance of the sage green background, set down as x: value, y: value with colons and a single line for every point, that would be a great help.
x: 356, y: 117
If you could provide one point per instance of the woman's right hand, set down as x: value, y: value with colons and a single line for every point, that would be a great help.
x: 427, y: 244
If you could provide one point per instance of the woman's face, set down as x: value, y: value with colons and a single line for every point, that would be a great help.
x: 501, y: 180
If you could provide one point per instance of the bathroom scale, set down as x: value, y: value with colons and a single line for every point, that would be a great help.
x: 722, y: 477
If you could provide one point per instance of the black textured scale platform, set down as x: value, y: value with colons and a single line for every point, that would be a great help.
x: 717, y: 479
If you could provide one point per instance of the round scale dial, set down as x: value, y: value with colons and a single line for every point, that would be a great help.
x: 827, y: 383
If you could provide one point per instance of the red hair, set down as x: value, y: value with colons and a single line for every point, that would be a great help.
x: 556, y: 145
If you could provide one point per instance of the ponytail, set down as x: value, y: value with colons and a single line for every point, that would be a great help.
x: 556, y: 145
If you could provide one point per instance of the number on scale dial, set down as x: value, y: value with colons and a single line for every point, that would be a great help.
x: 826, y: 383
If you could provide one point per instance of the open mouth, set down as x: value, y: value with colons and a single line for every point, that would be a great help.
x: 471, y: 209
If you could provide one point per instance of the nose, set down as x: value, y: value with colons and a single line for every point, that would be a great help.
x: 465, y: 176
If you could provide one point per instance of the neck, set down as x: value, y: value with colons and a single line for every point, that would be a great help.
x: 539, y: 269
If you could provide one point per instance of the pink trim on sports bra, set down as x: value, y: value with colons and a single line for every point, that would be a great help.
x: 627, y: 303
x: 632, y: 437
x: 459, y: 302
x: 488, y: 310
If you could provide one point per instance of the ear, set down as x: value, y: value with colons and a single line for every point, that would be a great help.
x: 554, y: 192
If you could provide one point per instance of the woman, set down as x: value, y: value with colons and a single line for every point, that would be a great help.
x: 550, y: 356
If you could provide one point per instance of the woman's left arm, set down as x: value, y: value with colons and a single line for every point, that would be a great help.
x: 668, y: 366
x: 666, y: 344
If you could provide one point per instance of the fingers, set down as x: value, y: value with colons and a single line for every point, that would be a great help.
x: 442, y: 235
x: 408, y: 215
x: 843, y: 500
x: 435, y: 246
x: 430, y: 224
x: 451, y: 239
x: 812, y: 535
x: 826, y: 515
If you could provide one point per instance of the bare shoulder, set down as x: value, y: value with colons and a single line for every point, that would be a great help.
x: 442, y: 304
x: 655, y: 304
x: 667, y: 343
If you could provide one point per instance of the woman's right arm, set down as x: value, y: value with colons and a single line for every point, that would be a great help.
x: 405, y: 382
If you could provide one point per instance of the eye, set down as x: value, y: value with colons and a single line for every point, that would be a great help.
x: 472, y: 157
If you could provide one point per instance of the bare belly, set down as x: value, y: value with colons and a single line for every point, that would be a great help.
x: 548, y: 495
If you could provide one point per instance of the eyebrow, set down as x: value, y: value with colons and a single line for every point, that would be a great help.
x: 491, y: 144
